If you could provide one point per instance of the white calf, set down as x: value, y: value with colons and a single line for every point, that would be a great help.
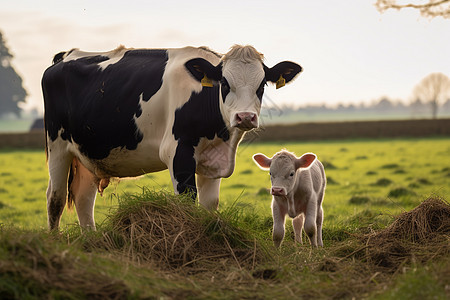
x: 298, y: 188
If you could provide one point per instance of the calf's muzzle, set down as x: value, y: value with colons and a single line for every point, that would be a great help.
x: 278, y: 191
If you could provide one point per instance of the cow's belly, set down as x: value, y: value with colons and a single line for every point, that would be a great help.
x: 125, y: 163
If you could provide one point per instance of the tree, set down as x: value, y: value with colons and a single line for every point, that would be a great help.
x: 432, y: 89
x: 11, y: 90
x: 428, y: 8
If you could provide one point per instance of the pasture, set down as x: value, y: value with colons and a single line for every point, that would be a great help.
x: 370, y: 182
x: 386, y: 176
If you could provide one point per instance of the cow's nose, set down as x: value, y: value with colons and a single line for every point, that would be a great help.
x: 277, y: 191
x: 246, y: 120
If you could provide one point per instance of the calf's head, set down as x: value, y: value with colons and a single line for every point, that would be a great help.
x: 283, y: 167
x: 242, y: 77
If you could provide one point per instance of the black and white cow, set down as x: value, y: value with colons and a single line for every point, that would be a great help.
x: 128, y: 112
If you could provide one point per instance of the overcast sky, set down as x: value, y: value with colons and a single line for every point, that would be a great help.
x: 349, y: 51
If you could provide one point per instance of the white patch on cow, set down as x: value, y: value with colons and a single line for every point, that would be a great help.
x: 113, y: 56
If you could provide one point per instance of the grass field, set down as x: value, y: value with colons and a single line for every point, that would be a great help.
x: 370, y: 182
x: 383, y: 175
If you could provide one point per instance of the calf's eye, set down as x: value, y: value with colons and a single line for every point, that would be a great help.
x: 292, y: 174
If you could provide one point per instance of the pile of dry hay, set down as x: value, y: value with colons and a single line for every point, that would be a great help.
x: 170, y: 231
x: 415, y: 236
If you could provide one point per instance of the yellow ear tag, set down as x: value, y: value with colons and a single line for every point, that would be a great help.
x: 206, y: 81
x: 280, y: 82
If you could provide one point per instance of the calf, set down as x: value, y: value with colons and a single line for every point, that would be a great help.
x: 298, y: 188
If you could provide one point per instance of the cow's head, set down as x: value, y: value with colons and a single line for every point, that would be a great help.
x: 242, y: 76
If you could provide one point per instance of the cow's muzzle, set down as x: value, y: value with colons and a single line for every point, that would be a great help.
x: 246, y: 120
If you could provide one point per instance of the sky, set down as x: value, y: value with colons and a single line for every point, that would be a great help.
x: 350, y: 52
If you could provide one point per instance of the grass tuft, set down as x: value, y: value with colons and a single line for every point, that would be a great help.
x: 382, y: 182
x: 390, y: 166
x: 359, y: 200
x: 400, y: 192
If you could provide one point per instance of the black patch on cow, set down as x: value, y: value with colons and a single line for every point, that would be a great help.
x: 197, y: 118
x: 225, y: 88
x: 95, y: 107
x: 260, y: 90
x: 58, y: 57
x: 286, y: 69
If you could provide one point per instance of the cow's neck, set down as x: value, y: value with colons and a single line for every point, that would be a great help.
x: 216, y: 158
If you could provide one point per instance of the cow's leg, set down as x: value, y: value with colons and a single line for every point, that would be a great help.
x: 208, y: 192
x: 183, y: 169
x: 278, y: 215
x: 59, y: 161
x: 297, y: 223
x: 319, y: 222
x: 83, y: 190
x: 310, y: 222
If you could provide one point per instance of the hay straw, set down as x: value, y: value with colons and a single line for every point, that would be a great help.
x: 418, y: 235
x: 174, y: 233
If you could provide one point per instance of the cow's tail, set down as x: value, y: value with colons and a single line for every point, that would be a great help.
x: 72, y: 173
x: 46, y: 142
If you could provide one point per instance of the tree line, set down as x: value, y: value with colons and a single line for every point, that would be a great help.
x: 12, y: 92
x: 381, y: 107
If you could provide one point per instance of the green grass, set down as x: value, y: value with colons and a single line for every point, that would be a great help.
x: 370, y: 182
x: 113, y: 264
x: 415, y: 167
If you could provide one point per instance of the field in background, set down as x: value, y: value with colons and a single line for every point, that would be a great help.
x: 386, y: 176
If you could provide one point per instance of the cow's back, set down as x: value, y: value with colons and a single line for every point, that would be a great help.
x: 95, y: 103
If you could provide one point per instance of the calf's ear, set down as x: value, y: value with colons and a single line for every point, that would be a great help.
x: 285, y: 70
x: 305, y: 161
x: 262, y: 161
x: 200, y: 67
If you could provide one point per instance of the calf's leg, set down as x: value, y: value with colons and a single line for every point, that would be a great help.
x: 278, y: 215
x: 319, y: 222
x: 297, y: 223
x: 310, y: 223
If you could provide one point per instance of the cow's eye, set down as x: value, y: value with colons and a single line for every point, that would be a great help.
x: 260, y: 90
x: 225, y: 87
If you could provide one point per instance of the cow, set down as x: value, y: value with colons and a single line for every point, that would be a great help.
x: 128, y: 112
x: 298, y: 189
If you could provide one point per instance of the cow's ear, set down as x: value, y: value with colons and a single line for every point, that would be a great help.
x: 305, y: 161
x: 262, y: 161
x: 200, y: 67
x: 282, y: 72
